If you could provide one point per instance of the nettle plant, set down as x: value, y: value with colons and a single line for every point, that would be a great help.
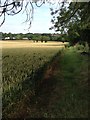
x: 13, y: 7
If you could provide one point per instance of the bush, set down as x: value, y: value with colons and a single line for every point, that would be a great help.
x: 80, y: 47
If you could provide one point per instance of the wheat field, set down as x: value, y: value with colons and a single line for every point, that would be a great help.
x: 26, y: 43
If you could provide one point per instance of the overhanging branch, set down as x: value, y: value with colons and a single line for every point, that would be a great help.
x: 13, y: 7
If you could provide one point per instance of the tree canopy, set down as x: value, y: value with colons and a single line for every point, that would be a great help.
x: 43, y: 37
x: 73, y: 19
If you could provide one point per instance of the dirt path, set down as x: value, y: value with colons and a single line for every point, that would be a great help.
x: 45, y: 90
x: 48, y: 84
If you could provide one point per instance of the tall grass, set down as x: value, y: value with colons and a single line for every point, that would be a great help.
x: 18, y: 70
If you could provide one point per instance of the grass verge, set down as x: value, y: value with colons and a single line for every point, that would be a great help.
x: 70, y: 97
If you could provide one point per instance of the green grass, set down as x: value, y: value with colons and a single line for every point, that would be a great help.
x: 71, y: 92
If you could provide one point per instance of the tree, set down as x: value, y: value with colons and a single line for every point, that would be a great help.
x: 74, y: 19
x: 45, y: 38
x: 19, y: 37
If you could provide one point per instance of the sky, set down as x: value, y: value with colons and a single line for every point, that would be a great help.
x: 40, y: 24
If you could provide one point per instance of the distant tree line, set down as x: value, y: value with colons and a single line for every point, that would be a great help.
x: 35, y: 37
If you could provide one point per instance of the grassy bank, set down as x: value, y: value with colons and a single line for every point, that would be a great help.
x: 70, y: 96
